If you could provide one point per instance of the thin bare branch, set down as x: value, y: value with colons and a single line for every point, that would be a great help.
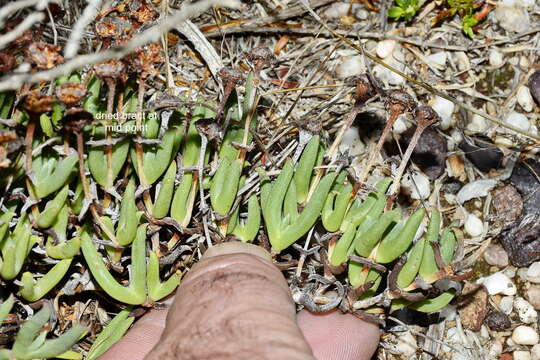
x: 15, y: 81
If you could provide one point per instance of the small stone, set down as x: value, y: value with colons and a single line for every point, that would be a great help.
x: 507, y: 204
x: 518, y: 120
x: 472, y: 306
x: 473, y: 225
x: 496, y: 256
x: 385, y: 48
x: 475, y: 189
x: 521, y: 355
x: 525, y: 335
x: 526, y: 182
x: 477, y: 124
x: 361, y: 14
x: 533, y: 272
x: 418, y: 186
x: 524, y: 99
x: 400, y: 126
x: 525, y: 311
x: 533, y: 296
x: 350, y: 66
x: 337, y: 10
x: 406, y: 344
x: 439, y: 58
x: 512, y: 18
x: 496, y: 59
x: 535, y: 352
x: 507, y: 304
x: 430, y: 151
x: 498, y: 321
x: 444, y: 109
x: 495, y: 349
x: 481, y: 151
x: 534, y: 85
x: 499, y: 283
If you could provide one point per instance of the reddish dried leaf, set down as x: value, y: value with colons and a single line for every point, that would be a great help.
x: 44, y: 56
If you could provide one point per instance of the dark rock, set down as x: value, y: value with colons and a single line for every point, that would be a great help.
x: 430, y: 152
x: 498, y: 321
x: 526, y: 178
x: 534, y: 85
x: 521, y: 241
x: 507, y: 204
x: 481, y: 151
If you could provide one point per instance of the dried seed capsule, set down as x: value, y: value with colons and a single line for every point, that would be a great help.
x: 426, y: 115
x: 534, y: 85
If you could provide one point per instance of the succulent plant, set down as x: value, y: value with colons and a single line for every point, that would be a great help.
x: 116, y: 204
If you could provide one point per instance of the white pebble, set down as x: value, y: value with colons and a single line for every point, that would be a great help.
x: 518, y: 120
x: 495, y: 349
x: 473, y: 225
x: 533, y: 272
x: 512, y: 18
x: 527, y: 3
x: 351, y: 142
x: 535, y: 352
x: 525, y: 99
x: 350, y: 66
x: 477, y: 124
x: 361, y: 14
x: 339, y: 9
x: 418, y: 186
x: 525, y: 335
x: 498, y: 283
x: 385, y: 48
x: 438, y: 58
x: 521, y: 355
x: 400, y: 126
x: 507, y: 304
x: 526, y: 312
x: 496, y: 59
x: 445, y: 109
x: 475, y: 189
x: 406, y: 344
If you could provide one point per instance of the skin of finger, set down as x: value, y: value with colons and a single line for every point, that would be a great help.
x: 337, y: 336
x: 140, y: 339
x: 234, y: 306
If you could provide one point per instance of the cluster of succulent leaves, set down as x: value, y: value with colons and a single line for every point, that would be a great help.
x: 466, y: 9
x: 51, y: 209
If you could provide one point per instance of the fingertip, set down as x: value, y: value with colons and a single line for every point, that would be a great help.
x: 140, y: 339
x: 334, y: 335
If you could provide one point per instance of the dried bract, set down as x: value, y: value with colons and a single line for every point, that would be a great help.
x: 7, y: 62
x: 142, y: 11
x: 231, y: 76
x: 44, y: 56
x: 36, y: 102
x: 76, y: 119
x: 113, y: 27
x: 147, y: 59
x: 110, y: 69
x: 400, y: 101
x: 364, y: 89
x: 259, y: 57
x: 70, y: 93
